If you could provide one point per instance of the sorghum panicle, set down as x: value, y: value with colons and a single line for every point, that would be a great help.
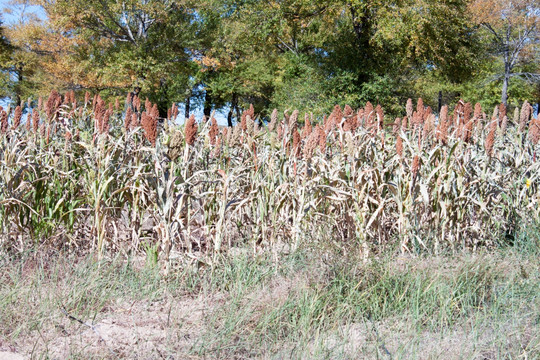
x: 415, y: 165
x: 127, y: 119
x: 399, y: 146
x: 490, y: 139
x: 534, y: 131
x: 311, y: 143
x: 322, y: 139
x: 524, y: 116
x: 296, y: 143
x: 409, y: 108
x: 502, y: 113
x: 306, y: 131
x: 504, y: 125
x: 28, y: 123
x: 4, y: 125
x: 396, y: 126
x: 214, y: 131
x: 35, y: 120
x: 17, y: 117
x: 273, y: 120
x: 191, y: 130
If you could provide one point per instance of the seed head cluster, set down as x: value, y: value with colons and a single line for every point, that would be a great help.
x: 191, y: 130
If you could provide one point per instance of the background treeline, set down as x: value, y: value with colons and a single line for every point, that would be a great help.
x: 297, y: 54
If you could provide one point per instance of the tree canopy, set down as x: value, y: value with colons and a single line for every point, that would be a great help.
x: 304, y: 54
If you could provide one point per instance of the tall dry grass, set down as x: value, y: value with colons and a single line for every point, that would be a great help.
x: 99, y: 179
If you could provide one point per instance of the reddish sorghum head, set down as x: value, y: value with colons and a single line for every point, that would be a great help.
x: 477, y: 111
x: 396, y: 126
x: 322, y: 139
x: 280, y: 131
x: 502, y: 113
x: 105, y: 122
x: 251, y: 111
x: 404, y: 123
x: 137, y: 103
x: 399, y: 146
x: 293, y: 120
x: 329, y: 123
x: 17, y: 117
x: 134, y: 121
x: 149, y: 121
x: 243, y: 121
x: 127, y: 120
x: 490, y: 139
x: 296, y: 143
x: 174, y: 112
x: 467, y: 112
x: 338, y: 115
x: 191, y: 130
x: 409, y: 108
x: 420, y: 107
x: 504, y: 125
x: 214, y: 131
x: 415, y: 165
x: 524, y: 116
x: 52, y: 104
x: 4, y: 125
x: 534, y: 131
x: 347, y: 111
x: 443, y: 130
x: 35, y: 120
x: 306, y: 131
x: 311, y: 144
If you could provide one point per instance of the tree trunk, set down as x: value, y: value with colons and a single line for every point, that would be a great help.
x: 163, y: 104
x: 361, y: 26
x: 440, y: 102
x: 18, y: 87
x: 234, y: 103
x: 506, y: 80
x: 207, y: 103
x: 237, y: 112
x: 507, y: 69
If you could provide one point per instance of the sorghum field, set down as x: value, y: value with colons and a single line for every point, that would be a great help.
x: 90, y: 177
x: 296, y: 237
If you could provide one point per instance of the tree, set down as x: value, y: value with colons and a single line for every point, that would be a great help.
x: 305, y: 54
x: 514, y: 29
x: 37, y: 59
x: 114, y: 46
x: 6, y: 51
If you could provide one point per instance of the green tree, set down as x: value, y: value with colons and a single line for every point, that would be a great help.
x: 6, y: 51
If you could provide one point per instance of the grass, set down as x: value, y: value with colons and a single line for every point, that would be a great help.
x: 472, y: 305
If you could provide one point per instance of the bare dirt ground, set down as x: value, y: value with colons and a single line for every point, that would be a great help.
x: 139, y: 330
x: 242, y: 320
